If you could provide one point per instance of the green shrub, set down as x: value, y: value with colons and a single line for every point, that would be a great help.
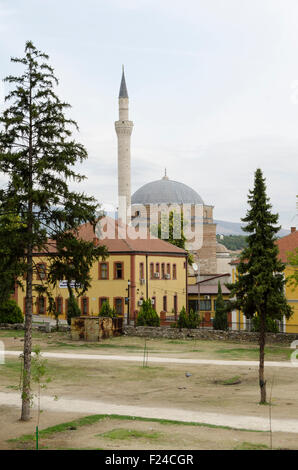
x: 147, y: 315
x: 191, y: 320
x: 271, y: 325
x: 73, y: 310
x: 10, y: 312
x: 107, y: 311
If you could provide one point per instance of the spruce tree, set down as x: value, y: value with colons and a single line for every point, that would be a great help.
x: 220, y: 321
x: 38, y: 155
x: 259, y: 289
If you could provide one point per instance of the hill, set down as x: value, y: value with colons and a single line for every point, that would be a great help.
x: 234, y: 228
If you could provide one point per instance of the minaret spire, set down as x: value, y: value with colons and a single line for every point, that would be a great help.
x: 123, y: 89
x: 124, y: 129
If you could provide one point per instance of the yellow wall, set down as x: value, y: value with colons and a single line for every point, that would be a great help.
x: 292, y: 298
x: 291, y: 325
x: 112, y: 288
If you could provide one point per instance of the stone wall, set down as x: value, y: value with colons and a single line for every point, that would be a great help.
x: 237, y: 336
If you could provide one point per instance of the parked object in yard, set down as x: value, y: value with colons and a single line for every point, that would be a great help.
x: 95, y: 328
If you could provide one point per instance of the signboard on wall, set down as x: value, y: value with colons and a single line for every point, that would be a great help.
x: 63, y: 284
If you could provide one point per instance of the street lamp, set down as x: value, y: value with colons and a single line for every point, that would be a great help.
x: 128, y: 293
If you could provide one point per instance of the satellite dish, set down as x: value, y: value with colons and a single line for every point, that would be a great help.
x: 195, y: 266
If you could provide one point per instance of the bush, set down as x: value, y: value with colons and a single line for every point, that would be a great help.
x: 107, y: 311
x: 147, y: 315
x: 73, y: 310
x: 191, y: 321
x: 10, y: 312
x: 271, y: 325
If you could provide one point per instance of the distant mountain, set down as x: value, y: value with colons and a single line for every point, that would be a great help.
x: 234, y: 228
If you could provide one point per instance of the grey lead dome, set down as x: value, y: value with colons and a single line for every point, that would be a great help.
x: 166, y: 191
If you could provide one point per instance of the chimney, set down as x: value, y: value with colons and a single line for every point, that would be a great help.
x: 95, y: 241
x: 293, y: 229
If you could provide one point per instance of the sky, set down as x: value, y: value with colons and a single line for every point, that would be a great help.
x: 213, y: 88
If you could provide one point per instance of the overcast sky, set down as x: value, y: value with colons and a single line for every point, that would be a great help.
x: 213, y: 87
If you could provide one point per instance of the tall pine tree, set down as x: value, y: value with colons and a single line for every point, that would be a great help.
x: 220, y: 321
x: 259, y: 289
x: 38, y: 155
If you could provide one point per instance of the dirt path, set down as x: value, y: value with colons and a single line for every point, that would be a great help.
x: 98, y: 407
x: 157, y: 359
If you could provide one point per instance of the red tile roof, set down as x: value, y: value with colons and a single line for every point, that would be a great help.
x: 286, y: 244
x: 116, y: 244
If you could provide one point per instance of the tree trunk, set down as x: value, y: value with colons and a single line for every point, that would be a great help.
x: 26, y: 392
x: 262, y: 340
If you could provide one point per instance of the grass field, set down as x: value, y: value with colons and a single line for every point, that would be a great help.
x: 218, y: 389
x: 111, y: 432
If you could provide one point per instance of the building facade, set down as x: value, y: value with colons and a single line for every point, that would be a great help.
x: 135, y: 270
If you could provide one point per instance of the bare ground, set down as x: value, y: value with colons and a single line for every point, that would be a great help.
x: 159, y: 386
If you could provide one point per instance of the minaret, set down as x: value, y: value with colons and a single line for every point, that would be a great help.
x: 123, y: 129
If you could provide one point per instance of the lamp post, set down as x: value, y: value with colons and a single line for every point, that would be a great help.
x: 128, y: 292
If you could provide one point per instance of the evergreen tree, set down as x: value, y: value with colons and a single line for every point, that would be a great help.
x: 38, y: 155
x: 107, y: 311
x: 190, y: 320
x: 220, y: 321
x: 73, y: 310
x: 259, y: 288
x: 173, y: 225
x: 147, y: 315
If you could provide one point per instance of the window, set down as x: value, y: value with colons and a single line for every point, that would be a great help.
x: 175, y: 303
x: 118, y: 303
x: 41, y: 305
x: 157, y: 267
x: 118, y: 270
x: 193, y: 305
x: 154, y: 302
x: 174, y: 271
x: 85, y: 306
x: 205, y: 304
x: 59, y: 305
x: 163, y: 271
x: 226, y: 302
x: 151, y: 270
x: 103, y: 270
x: 103, y: 300
x: 164, y: 303
x: 41, y: 271
x: 141, y: 270
x: 169, y: 269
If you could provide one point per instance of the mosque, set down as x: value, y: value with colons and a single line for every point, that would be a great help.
x: 164, y: 191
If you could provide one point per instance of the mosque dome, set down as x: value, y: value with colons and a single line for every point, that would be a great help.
x: 166, y: 191
x: 220, y: 248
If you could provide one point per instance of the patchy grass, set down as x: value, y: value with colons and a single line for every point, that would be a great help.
x: 89, y: 420
x: 251, y: 446
x: 232, y: 381
x: 253, y: 352
x: 60, y: 344
x: 122, y: 434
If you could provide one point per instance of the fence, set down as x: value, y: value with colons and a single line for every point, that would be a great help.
x: 168, y: 320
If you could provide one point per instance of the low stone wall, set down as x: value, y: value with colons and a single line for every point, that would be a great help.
x: 45, y: 327
x: 200, y: 333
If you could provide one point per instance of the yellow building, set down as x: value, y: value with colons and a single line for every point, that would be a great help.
x: 134, y: 270
x: 286, y: 245
x: 202, y: 297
